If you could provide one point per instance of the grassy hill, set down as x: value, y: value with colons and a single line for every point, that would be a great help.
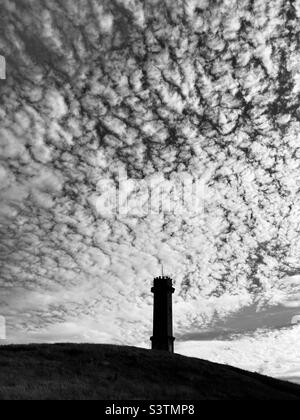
x: 68, y: 371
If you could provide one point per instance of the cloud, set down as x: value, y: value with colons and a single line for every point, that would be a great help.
x: 161, y: 91
x: 295, y: 319
x: 272, y: 353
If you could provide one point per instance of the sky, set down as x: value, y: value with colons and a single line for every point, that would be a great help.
x: 136, y: 134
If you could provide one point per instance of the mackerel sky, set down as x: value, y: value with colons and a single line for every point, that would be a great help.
x: 158, y: 91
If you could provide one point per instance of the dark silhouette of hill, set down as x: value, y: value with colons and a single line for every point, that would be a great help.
x: 68, y: 371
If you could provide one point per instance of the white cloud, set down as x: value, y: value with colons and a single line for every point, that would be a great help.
x: 134, y: 84
x: 272, y: 353
x: 296, y: 319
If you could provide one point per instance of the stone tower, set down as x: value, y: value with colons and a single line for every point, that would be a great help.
x: 163, y: 315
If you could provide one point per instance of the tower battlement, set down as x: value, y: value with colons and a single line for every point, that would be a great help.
x: 162, y: 282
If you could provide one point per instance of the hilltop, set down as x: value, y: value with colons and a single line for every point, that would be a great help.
x: 69, y: 371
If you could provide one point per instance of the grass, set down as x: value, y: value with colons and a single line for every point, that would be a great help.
x: 106, y: 372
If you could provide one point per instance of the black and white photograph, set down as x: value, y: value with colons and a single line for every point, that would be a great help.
x: 149, y: 202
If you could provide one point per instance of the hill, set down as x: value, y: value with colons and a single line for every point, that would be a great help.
x: 68, y: 371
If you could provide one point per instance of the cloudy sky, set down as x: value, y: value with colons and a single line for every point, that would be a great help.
x: 154, y: 92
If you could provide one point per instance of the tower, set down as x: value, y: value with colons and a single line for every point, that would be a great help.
x: 163, y: 315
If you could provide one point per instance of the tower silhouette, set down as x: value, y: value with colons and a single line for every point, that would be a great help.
x: 162, y: 338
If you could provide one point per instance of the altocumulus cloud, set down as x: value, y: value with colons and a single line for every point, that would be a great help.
x: 160, y: 90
